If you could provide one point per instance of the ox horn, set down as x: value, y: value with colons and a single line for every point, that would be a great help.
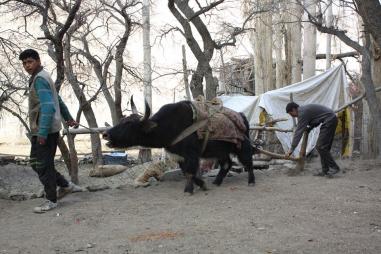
x: 133, y: 107
x: 147, y: 112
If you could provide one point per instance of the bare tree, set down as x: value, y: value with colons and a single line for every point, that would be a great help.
x: 116, y: 14
x: 370, y: 11
x: 54, y: 33
x: 188, y: 17
x: 366, y: 65
x: 78, y: 88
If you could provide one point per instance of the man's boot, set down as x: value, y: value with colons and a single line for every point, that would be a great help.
x: 323, y: 172
x: 333, y: 171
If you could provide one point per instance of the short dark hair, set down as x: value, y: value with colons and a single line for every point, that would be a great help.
x: 29, y: 53
x: 290, y: 106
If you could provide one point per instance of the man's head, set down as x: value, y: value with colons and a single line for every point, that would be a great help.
x: 292, y: 109
x: 30, y: 60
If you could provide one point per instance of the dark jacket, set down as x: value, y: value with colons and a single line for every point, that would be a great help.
x: 310, y: 116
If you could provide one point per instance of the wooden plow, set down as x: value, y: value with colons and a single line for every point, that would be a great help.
x: 300, y: 161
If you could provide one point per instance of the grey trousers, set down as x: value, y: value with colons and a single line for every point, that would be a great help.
x: 324, y: 144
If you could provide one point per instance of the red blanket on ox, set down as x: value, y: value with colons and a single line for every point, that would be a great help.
x: 224, y: 124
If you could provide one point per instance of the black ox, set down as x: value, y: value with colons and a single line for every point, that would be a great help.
x: 160, y: 130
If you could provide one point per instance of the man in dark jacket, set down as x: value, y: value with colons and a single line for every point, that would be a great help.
x: 45, y: 111
x: 311, y: 116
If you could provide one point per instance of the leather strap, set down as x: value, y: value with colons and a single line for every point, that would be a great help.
x: 188, y: 131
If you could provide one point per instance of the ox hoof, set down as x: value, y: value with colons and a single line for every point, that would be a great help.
x: 204, y: 188
x: 216, y: 182
x: 251, y: 184
x: 188, y: 194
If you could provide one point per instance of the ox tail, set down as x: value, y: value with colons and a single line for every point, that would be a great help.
x: 246, y: 122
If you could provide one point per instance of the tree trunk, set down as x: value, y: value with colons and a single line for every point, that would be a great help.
x: 262, y: 40
x: 373, y: 101
x: 145, y: 154
x: 73, y: 159
x: 196, y: 82
x: 329, y: 23
x: 210, y: 83
x: 309, y: 42
x: 288, y: 54
x: 295, y: 28
x: 85, y: 106
x: 370, y: 11
x: 186, y: 74
x: 65, y: 153
x: 278, y: 45
x: 376, y: 77
x: 203, y: 56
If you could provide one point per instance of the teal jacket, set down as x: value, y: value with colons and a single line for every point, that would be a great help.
x: 47, y: 108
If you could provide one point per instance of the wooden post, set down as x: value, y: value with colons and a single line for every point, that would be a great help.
x: 302, y: 156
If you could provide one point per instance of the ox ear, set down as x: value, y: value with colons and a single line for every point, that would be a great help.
x: 133, y: 106
x: 148, y: 126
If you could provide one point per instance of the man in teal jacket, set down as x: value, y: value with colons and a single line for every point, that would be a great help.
x: 45, y: 111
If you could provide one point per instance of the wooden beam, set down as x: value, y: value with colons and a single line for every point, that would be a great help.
x: 277, y: 155
x: 378, y: 89
x: 264, y: 128
x: 85, y: 130
x: 341, y: 55
x: 274, y: 121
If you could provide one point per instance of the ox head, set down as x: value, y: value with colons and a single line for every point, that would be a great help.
x: 131, y: 130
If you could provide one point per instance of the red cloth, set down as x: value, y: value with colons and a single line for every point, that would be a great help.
x: 224, y: 124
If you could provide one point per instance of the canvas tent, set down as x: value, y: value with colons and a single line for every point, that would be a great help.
x: 329, y: 88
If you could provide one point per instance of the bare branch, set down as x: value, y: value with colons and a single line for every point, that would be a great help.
x: 206, y: 9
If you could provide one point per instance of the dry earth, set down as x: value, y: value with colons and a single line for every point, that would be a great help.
x: 281, y: 214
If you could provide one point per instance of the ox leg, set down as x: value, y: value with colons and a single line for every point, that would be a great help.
x: 189, y: 184
x: 199, y: 182
x: 190, y: 167
x: 225, y: 166
x: 245, y: 156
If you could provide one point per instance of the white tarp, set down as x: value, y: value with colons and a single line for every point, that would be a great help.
x: 328, y: 88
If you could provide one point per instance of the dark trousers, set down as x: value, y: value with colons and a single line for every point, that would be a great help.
x: 42, y: 162
x: 324, y: 144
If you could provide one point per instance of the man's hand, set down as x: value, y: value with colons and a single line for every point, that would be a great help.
x: 41, y: 140
x: 288, y: 154
x: 72, y: 123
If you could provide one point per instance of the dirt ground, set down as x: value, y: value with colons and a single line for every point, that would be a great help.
x: 281, y: 214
